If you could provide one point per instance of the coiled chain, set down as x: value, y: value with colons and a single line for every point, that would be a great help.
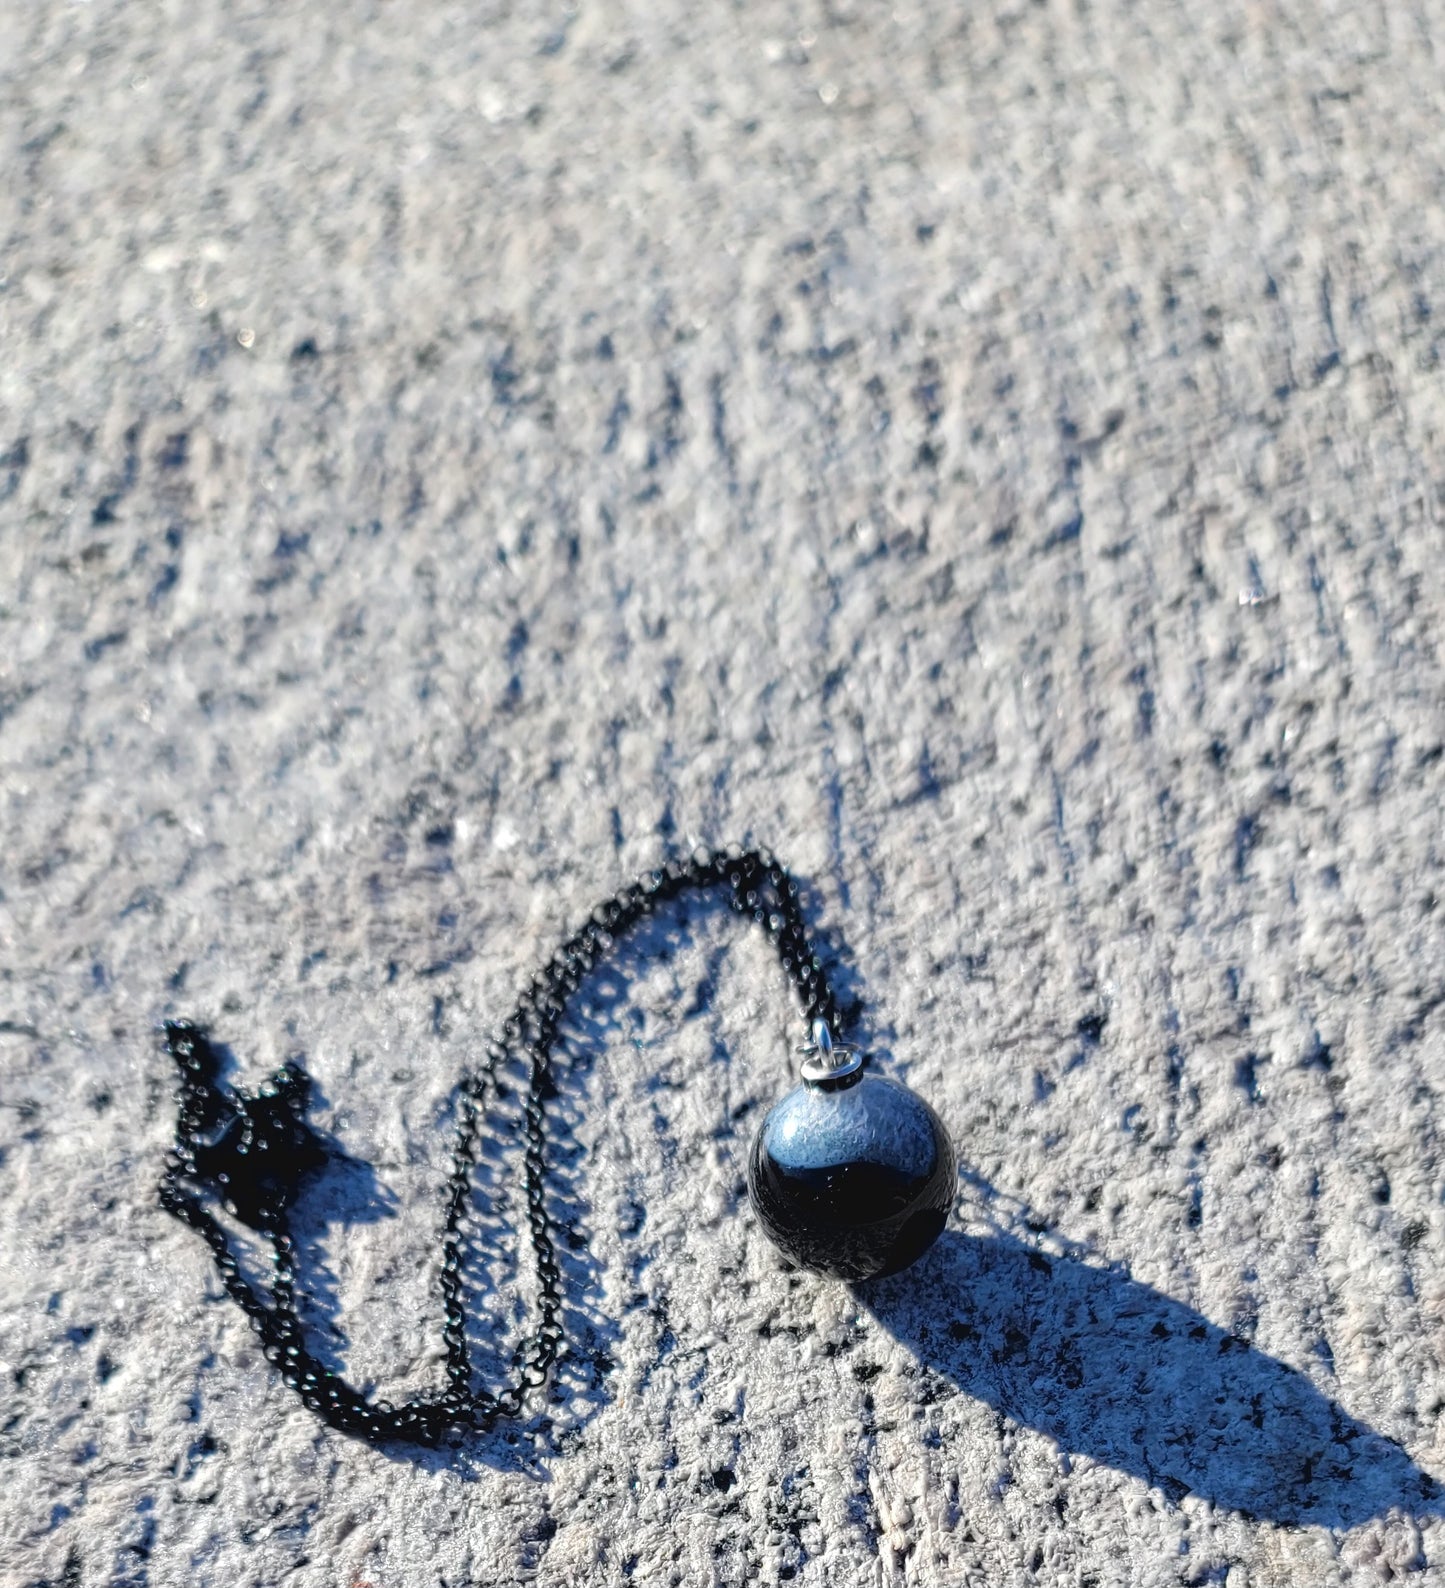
x: 252, y: 1152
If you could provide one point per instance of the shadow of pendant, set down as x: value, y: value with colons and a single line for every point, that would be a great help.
x: 1120, y: 1373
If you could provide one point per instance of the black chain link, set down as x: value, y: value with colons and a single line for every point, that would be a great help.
x: 254, y: 1151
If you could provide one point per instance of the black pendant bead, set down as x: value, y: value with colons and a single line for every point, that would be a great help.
x: 852, y: 1176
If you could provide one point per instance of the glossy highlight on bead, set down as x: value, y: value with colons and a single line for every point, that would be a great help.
x: 853, y: 1178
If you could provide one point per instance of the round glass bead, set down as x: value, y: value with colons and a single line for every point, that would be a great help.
x: 854, y: 1177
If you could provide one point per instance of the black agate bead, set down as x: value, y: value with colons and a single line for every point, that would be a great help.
x: 852, y: 1175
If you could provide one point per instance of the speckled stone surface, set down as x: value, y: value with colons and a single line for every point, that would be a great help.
x: 995, y: 456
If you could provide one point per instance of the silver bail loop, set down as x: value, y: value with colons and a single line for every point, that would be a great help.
x: 825, y: 1062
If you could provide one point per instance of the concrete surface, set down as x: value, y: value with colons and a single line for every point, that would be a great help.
x: 450, y: 455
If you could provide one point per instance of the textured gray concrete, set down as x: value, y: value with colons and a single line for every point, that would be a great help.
x: 450, y: 455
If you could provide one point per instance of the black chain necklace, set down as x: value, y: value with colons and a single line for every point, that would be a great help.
x: 851, y: 1174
